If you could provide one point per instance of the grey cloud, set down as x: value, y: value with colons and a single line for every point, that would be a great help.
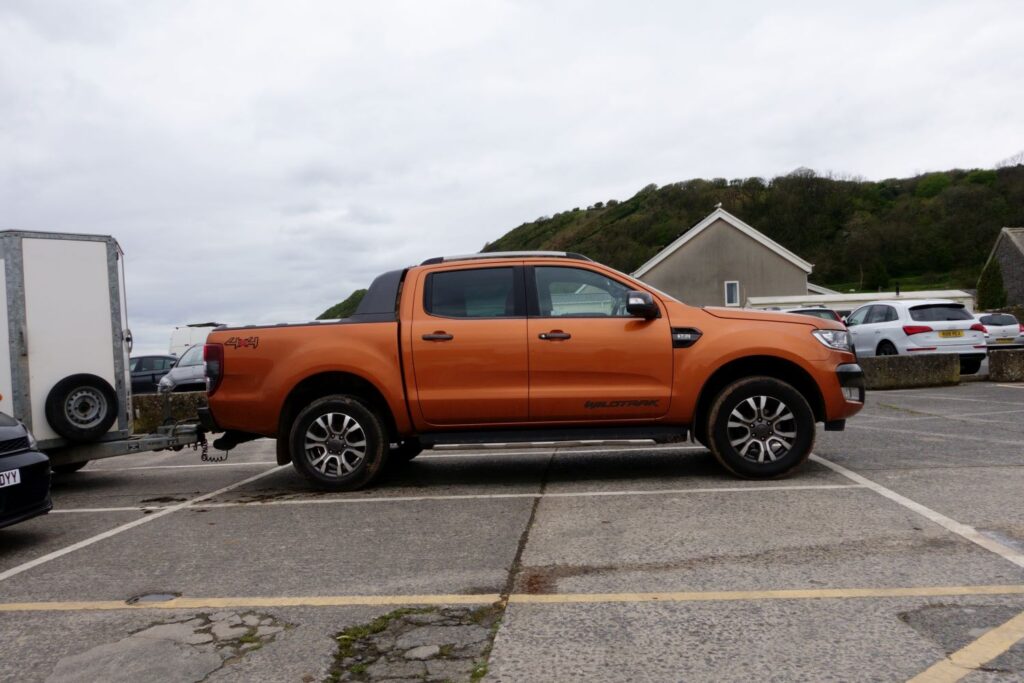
x: 258, y: 162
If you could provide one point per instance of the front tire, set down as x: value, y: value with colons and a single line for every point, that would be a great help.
x: 338, y: 443
x: 68, y: 469
x: 760, y: 427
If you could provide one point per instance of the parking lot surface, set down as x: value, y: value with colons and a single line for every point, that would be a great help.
x: 897, y: 552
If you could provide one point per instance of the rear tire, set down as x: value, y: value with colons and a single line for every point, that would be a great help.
x: 338, y: 443
x: 760, y: 427
x: 81, y: 408
x: 969, y: 366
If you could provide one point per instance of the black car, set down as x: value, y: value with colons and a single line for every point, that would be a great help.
x: 147, y: 371
x: 24, y: 474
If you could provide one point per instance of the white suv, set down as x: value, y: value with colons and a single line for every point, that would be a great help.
x: 889, y: 328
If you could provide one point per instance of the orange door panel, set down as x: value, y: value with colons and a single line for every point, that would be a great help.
x: 590, y: 360
x: 614, y: 368
x: 470, y: 364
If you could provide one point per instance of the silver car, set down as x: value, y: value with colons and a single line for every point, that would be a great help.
x: 918, y: 326
x: 187, y: 374
x: 1001, y: 329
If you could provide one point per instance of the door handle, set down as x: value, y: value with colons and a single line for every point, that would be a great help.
x: 438, y: 336
x: 554, y: 335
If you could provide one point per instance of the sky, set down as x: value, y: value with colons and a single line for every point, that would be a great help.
x: 258, y: 161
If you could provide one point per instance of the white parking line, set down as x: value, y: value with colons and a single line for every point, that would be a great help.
x: 963, y: 530
x: 966, y: 437
x: 1011, y: 386
x: 182, y: 467
x: 14, y: 571
x: 481, y: 496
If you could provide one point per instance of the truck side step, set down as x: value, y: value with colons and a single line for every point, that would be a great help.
x: 661, y: 434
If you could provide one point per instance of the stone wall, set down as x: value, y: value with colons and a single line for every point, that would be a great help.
x: 150, y: 410
x: 907, y: 372
x: 1006, y: 365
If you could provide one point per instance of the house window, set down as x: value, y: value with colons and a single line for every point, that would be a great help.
x: 732, y: 293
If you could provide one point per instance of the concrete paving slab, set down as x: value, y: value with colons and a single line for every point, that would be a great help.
x: 842, y: 640
x: 763, y: 540
x: 302, y: 651
x: 43, y: 535
x: 413, y: 547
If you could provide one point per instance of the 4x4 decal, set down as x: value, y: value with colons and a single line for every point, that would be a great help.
x: 243, y: 342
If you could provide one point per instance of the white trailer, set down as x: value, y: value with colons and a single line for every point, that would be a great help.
x: 66, y: 373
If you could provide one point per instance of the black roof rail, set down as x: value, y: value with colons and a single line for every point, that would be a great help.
x: 506, y: 254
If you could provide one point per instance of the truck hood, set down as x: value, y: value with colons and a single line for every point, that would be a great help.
x: 771, y: 317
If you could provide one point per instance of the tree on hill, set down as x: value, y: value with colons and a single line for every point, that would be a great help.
x: 991, y: 293
x: 936, y: 227
x: 344, y: 309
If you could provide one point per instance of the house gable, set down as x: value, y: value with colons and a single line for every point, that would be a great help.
x: 731, y: 220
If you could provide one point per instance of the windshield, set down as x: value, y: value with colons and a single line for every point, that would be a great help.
x: 939, y: 312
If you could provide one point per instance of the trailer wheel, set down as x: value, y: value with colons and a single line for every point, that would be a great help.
x: 81, y: 408
x: 338, y: 443
x: 69, y: 469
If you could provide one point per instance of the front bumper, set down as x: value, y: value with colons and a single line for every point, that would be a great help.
x: 31, y: 497
x: 851, y: 381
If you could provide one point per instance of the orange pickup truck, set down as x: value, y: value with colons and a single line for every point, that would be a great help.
x: 530, y: 346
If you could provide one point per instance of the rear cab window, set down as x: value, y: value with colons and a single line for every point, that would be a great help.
x: 939, y: 313
x: 474, y: 293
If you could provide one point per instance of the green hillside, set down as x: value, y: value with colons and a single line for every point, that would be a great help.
x: 935, y: 228
x: 932, y: 231
x: 344, y: 309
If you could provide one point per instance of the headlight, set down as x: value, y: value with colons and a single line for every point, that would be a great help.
x: 32, y: 443
x: 834, y: 339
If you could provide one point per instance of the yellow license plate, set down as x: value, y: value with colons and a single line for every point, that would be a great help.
x: 1005, y: 341
x: 945, y: 334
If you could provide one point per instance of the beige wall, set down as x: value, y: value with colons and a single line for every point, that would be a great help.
x: 696, y: 273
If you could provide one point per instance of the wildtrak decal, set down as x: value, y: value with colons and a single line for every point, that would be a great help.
x: 639, y: 403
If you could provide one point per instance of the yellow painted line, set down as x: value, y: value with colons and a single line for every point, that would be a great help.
x: 787, y: 594
x: 520, y: 598
x: 975, y: 654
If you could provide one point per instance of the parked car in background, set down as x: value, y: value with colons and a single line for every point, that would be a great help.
x: 24, y: 474
x: 187, y: 373
x: 1001, y: 329
x: 186, y: 336
x: 815, y: 312
x: 889, y: 328
x: 147, y: 371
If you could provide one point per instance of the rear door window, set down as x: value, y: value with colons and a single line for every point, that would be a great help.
x: 934, y: 313
x: 474, y: 293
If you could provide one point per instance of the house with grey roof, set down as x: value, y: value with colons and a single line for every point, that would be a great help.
x: 722, y: 261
